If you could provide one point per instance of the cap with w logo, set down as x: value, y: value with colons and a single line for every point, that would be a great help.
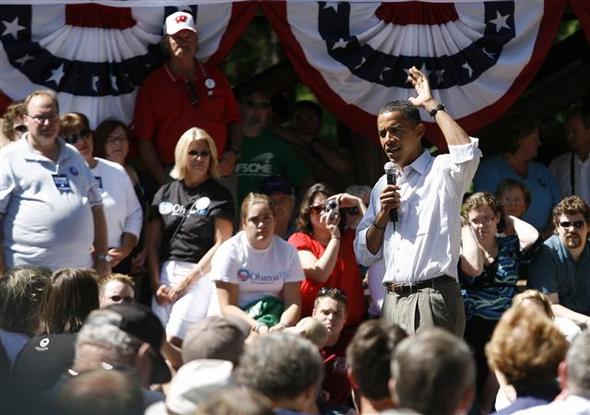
x: 179, y: 21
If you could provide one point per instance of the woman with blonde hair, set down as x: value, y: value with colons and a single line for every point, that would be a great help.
x: 190, y: 217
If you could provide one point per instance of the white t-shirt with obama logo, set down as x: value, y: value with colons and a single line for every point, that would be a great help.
x: 258, y: 273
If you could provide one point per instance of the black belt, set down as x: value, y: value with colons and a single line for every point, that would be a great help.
x: 406, y: 288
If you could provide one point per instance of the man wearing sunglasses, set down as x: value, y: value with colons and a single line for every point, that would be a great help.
x: 264, y: 154
x: 51, y: 210
x: 181, y: 94
x: 561, y: 268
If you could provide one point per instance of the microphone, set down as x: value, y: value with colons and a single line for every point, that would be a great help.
x: 391, y: 172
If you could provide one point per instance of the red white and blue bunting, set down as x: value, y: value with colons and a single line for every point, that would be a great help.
x: 96, y: 56
x: 479, y: 56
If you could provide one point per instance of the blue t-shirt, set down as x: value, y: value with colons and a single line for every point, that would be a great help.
x: 541, y: 184
x: 553, y: 270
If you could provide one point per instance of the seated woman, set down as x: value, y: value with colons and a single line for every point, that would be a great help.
x: 326, y: 252
x: 190, y: 218
x: 121, y: 207
x: 257, y: 274
x: 493, y: 246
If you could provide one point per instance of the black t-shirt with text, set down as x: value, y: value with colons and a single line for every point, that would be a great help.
x: 188, y: 215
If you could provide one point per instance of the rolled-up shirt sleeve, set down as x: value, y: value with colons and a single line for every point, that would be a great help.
x: 464, y: 160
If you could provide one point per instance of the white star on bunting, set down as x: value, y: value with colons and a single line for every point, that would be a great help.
x: 57, y: 75
x: 500, y: 21
x: 331, y: 6
x: 469, y: 70
x: 340, y: 44
x: 12, y: 28
x: 24, y: 59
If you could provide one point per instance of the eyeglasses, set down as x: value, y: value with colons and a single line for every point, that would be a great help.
x: 331, y: 292
x: 193, y: 96
x: 576, y: 224
x: 20, y: 129
x: 196, y: 153
x: 43, y: 118
x: 486, y: 220
x: 73, y: 138
x: 112, y: 139
x: 257, y: 104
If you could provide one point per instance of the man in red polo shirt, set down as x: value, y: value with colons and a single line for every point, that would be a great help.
x: 184, y: 93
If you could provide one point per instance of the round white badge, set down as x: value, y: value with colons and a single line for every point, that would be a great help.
x: 210, y: 83
x: 44, y: 342
x: 203, y: 203
x: 165, y: 208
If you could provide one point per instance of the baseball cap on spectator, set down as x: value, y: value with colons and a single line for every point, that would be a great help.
x: 139, y: 322
x: 41, y: 363
x: 215, y: 338
x: 179, y: 21
x: 194, y: 383
x: 276, y: 184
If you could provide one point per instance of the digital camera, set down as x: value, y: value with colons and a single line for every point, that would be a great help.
x: 331, y: 208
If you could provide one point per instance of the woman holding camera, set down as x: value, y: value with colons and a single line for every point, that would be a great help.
x: 326, y: 249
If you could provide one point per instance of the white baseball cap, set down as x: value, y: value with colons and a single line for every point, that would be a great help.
x: 179, y: 21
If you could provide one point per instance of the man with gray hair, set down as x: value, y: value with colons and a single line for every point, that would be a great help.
x: 433, y: 373
x: 126, y: 337
x: 574, y: 380
x: 286, y: 368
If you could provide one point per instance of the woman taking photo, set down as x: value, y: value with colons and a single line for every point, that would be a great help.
x: 326, y: 250
x: 190, y: 218
x: 493, y: 245
x: 257, y: 274
x: 121, y: 207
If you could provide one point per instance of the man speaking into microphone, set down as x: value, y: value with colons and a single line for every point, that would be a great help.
x: 421, y: 248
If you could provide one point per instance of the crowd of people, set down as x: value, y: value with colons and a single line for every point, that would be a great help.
x: 217, y: 275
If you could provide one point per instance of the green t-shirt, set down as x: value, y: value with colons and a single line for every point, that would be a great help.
x: 264, y: 156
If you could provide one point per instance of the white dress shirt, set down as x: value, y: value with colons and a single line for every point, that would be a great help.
x: 427, y: 236
x: 561, y: 168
